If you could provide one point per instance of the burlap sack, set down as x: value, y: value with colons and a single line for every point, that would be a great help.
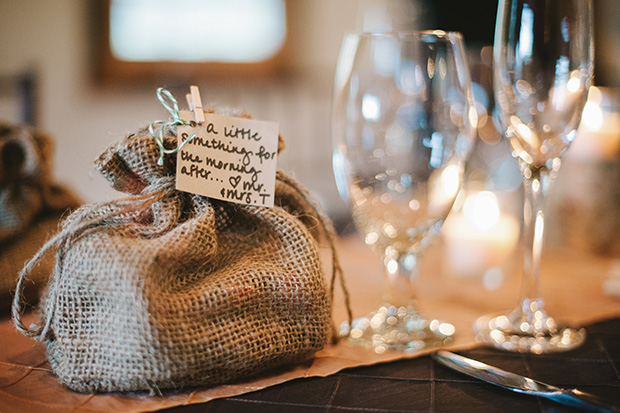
x: 31, y: 205
x: 166, y: 289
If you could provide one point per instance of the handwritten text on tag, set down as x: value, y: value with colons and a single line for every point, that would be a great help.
x: 232, y: 159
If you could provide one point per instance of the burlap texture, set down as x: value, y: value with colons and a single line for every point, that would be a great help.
x: 166, y: 289
x: 31, y: 205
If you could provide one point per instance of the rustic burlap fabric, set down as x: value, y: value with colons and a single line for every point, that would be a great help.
x: 165, y: 289
x: 30, y: 205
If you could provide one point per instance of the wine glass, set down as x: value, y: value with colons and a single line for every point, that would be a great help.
x: 402, y: 130
x: 542, y: 71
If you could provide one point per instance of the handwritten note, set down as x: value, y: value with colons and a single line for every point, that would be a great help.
x: 232, y: 159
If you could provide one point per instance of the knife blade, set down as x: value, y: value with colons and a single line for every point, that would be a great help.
x: 522, y: 384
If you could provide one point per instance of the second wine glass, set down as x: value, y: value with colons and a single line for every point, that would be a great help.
x: 543, y: 68
x: 402, y: 130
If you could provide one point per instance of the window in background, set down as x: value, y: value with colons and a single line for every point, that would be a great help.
x: 197, y: 30
x: 163, y: 38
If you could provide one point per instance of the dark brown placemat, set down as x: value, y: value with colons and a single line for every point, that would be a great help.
x: 422, y: 385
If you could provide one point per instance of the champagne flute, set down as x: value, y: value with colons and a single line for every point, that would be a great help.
x: 543, y: 68
x: 402, y: 130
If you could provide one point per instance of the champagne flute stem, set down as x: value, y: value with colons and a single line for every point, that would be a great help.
x: 529, y: 328
x: 536, y: 181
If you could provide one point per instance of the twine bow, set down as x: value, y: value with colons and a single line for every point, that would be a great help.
x: 158, y: 127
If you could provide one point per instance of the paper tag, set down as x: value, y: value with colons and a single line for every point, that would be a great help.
x: 232, y: 159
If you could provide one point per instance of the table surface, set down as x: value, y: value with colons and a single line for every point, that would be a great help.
x: 423, y: 385
x: 367, y: 382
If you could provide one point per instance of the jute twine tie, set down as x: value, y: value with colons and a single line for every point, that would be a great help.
x: 109, y: 210
x: 77, y: 227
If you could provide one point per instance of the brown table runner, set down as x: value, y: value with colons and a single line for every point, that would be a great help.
x: 572, y: 286
x: 422, y: 385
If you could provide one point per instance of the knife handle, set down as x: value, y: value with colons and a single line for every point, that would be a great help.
x: 586, y: 401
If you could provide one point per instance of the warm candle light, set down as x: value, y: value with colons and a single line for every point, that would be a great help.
x: 599, y: 132
x: 479, y: 237
x: 482, y: 210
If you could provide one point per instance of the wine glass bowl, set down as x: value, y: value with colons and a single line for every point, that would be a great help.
x: 543, y: 69
x: 402, y: 131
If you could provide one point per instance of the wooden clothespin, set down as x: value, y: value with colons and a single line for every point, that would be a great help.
x: 195, y: 104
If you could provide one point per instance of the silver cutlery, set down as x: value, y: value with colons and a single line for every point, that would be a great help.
x: 525, y: 385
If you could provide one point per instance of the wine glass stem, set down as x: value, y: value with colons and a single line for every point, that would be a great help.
x: 536, y: 182
x: 401, y: 271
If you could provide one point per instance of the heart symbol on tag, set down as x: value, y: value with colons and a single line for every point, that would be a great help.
x: 234, y: 181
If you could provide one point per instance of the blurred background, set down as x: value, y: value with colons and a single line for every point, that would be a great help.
x: 66, y: 68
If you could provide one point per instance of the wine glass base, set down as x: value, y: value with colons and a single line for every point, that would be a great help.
x: 397, y: 329
x: 498, y: 331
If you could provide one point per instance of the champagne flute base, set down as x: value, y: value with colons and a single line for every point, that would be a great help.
x: 391, y: 328
x: 514, y: 333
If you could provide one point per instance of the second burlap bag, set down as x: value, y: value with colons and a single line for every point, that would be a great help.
x: 31, y: 205
x: 167, y: 289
